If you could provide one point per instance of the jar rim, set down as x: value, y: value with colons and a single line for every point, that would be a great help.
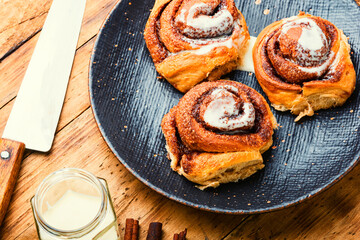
x: 60, y: 175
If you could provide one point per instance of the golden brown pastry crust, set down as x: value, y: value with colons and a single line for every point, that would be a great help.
x: 304, y: 96
x: 209, y: 156
x: 177, y: 57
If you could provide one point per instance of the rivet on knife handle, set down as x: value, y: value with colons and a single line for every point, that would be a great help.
x: 11, y: 153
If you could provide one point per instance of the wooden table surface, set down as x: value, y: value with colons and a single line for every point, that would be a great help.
x: 334, y: 214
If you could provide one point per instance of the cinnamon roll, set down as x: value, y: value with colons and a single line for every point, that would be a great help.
x: 303, y: 64
x: 217, y: 132
x: 193, y: 40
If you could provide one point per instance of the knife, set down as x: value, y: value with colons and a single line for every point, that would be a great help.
x: 34, y: 117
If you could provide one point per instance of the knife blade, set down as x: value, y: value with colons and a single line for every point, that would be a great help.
x: 34, y: 117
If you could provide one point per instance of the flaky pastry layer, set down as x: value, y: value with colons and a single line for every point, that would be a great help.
x: 210, y: 158
x: 331, y: 89
x: 185, y: 61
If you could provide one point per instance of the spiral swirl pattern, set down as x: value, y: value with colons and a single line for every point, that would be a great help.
x: 223, y: 116
x: 302, y: 49
x: 223, y: 110
x: 303, y: 64
x: 217, y: 132
x: 193, y: 40
x: 195, y: 21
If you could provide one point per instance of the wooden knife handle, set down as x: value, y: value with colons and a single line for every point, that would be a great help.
x: 11, y: 154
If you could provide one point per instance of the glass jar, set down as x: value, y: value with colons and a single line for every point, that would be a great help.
x: 74, y: 204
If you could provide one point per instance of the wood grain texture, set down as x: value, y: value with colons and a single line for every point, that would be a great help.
x: 20, y: 20
x: 331, y: 215
x: 131, y: 198
x: 10, y: 159
x: 11, y: 74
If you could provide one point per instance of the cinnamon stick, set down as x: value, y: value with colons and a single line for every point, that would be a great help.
x: 154, y: 232
x: 135, y: 230
x: 181, y: 235
x: 128, y: 228
x: 131, y: 229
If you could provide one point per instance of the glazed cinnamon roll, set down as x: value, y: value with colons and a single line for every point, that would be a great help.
x: 303, y: 64
x: 193, y: 40
x: 217, y: 132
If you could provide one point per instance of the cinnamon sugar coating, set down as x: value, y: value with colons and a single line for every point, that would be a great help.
x: 303, y: 64
x: 197, y: 137
x: 209, y: 156
x: 193, y: 40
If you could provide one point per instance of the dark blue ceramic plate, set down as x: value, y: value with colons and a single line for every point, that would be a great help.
x: 129, y: 102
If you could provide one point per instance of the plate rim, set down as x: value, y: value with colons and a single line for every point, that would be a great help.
x: 204, y: 207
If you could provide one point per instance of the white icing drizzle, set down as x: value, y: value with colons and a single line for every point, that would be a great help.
x: 229, y: 43
x: 181, y: 16
x: 220, y: 21
x: 312, y: 38
x: 223, y: 106
x: 311, y: 41
x: 319, y: 69
x: 229, y: 87
x: 335, y: 63
x: 247, y: 63
x: 205, y: 45
x: 195, y: 42
x: 217, y: 42
x: 207, y: 48
x: 202, y: 41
